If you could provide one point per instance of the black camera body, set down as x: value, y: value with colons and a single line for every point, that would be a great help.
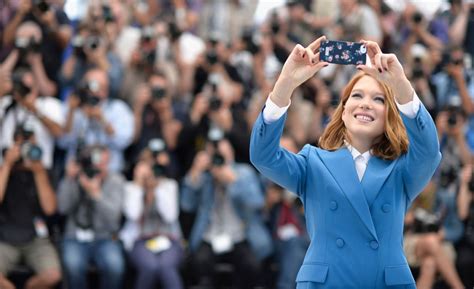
x: 26, y: 45
x: 448, y: 177
x: 88, y: 159
x: 217, y: 160
x: 426, y: 222
x: 158, y: 92
x: 42, y: 5
x: 19, y: 87
x: 29, y: 150
x: 417, y: 17
x: 86, y: 96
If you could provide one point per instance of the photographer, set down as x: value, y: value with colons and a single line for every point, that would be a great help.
x: 93, y: 118
x: 27, y: 53
x: 91, y: 197
x: 465, y: 247
x: 26, y: 198
x: 152, y: 233
x: 424, y: 247
x: 156, y: 116
x: 432, y: 33
x: 218, y: 102
x: 55, y: 28
x: 91, y: 50
x: 450, y: 124
x: 27, y: 107
x: 227, y: 198
x: 453, y: 78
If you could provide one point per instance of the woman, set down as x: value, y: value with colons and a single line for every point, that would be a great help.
x: 372, y: 163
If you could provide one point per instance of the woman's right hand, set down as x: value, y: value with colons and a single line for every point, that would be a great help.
x: 303, y: 63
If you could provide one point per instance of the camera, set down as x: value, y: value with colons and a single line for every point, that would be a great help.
x: 158, y: 170
x: 85, y: 93
x: 214, y: 103
x: 275, y: 23
x: 42, y: 5
x: 77, y: 43
x: 89, y: 159
x: 107, y: 13
x: 29, y: 150
x: 214, y: 136
x: 156, y: 146
x: 92, y: 42
x: 417, y: 17
x: 26, y: 45
x: 212, y: 57
x: 447, y: 177
x: 417, y: 73
x: 426, y: 222
x: 19, y: 87
x: 158, y: 92
x: 147, y: 34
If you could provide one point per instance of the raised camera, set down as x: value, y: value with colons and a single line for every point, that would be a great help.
x: 417, y: 17
x: 86, y: 93
x: 92, y: 42
x: 158, y: 92
x: 42, y: 5
x: 158, y: 170
x: 30, y: 151
x: 89, y: 159
x: 25, y: 45
x: 19, y: 87
x: 156, y: 146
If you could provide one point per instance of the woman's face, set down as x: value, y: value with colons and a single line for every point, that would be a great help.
x: 364, y: 111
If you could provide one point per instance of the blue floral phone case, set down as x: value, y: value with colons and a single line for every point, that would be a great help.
x: 342, y: 52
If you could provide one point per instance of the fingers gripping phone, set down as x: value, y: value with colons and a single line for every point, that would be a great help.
x: 343, y: 52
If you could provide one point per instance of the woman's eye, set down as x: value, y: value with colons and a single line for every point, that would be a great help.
x: 357, y: 95
x: 380, y: 99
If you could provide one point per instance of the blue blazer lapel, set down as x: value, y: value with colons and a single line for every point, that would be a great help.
x: 375, y: 176
x: 341, y: 166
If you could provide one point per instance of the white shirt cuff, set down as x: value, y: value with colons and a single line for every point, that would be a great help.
x: 273, y: 112
x: 410, y: 109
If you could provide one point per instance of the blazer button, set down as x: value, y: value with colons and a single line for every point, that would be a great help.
x: 333, y: 205
x: 340, y: 243
x: 386, y: 208
x: 374, y: 245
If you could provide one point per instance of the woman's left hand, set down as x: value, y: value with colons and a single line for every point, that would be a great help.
x: 387, y: 69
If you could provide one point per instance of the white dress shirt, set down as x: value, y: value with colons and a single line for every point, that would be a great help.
x: 273, y: 112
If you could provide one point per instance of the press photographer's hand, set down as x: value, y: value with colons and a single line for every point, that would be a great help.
x: 12, y: 155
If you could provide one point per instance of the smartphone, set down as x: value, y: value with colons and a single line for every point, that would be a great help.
x: 343, y: 52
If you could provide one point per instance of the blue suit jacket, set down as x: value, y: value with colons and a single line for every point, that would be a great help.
x: 356, y: 227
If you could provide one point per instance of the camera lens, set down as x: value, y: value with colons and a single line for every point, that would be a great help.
x: 159, y: 170
x: 417, y: 17
x: 215, y: 103
x: 31, y: 152
x: 218, y: 160
x: 158, y: 92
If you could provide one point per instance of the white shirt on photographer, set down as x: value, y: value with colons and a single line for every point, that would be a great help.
x: 47, y: 106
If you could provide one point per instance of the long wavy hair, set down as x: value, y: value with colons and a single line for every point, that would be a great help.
x: 390, y: 145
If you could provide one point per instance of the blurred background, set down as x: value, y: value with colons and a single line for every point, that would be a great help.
x: 125, y: 132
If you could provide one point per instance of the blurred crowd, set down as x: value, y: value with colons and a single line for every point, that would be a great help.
x: 125, y: 125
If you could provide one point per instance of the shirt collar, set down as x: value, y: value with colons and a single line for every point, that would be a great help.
x: 355, y: 153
